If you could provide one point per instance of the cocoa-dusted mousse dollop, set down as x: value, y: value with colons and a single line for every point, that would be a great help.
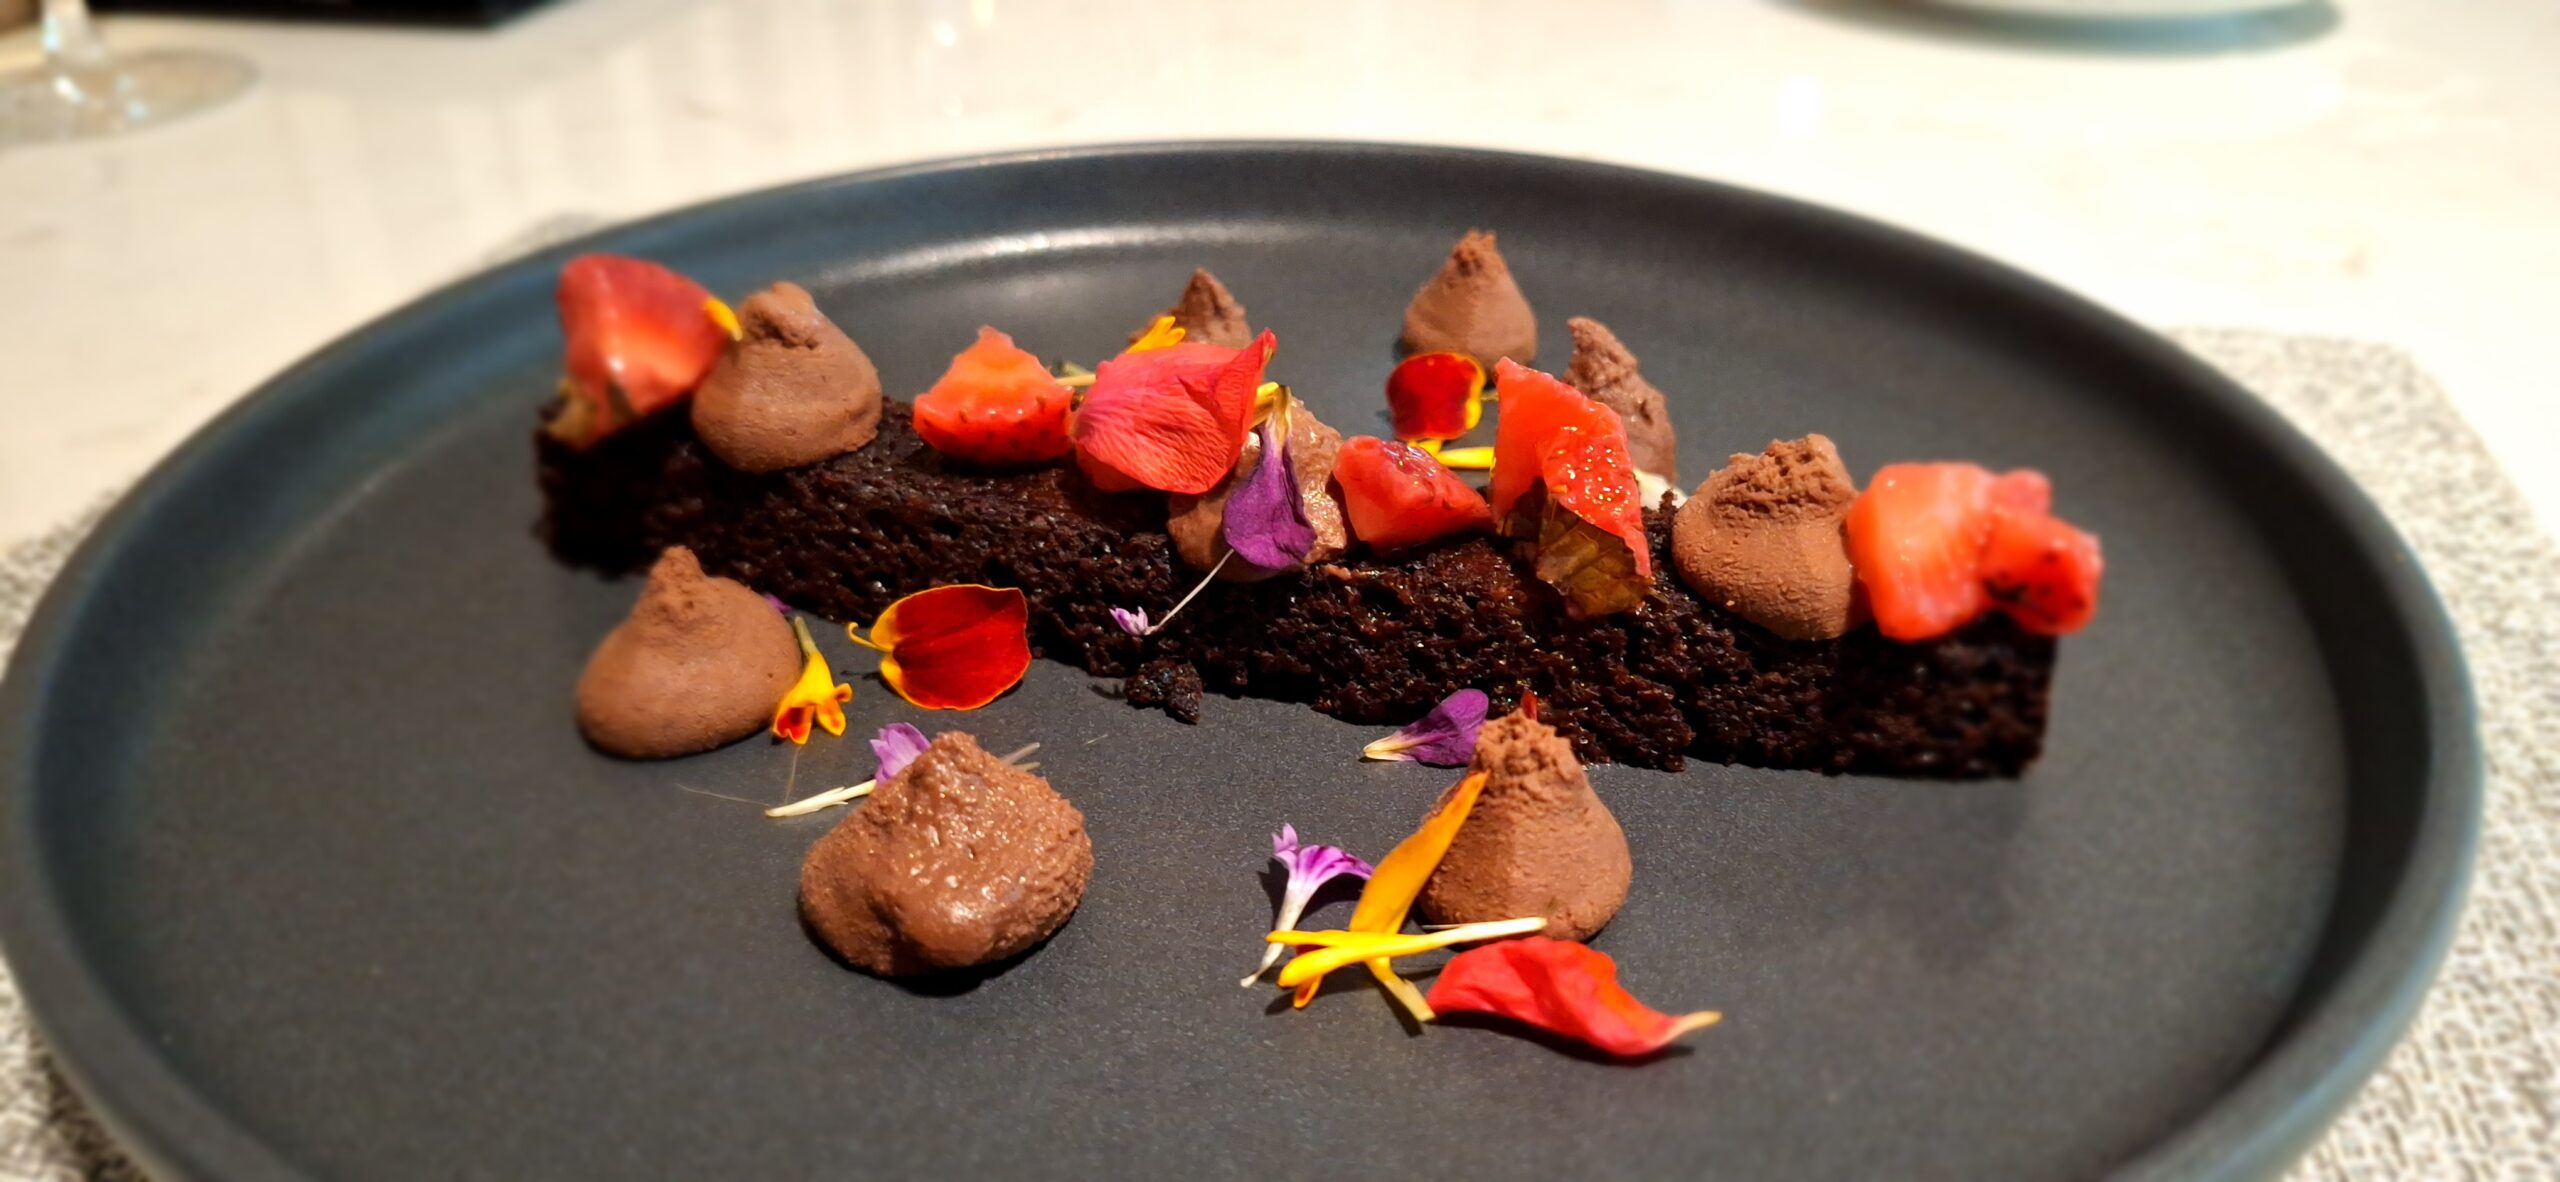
x: 1207, y: 311
x: 961, y: 859
x: 698, y: 663
x: 1473, y: 306
x: 1198, y: 523
x: 793, y: 390
x: 1539, y: 842
x: 1603, y: 368
x: 1763, y: 537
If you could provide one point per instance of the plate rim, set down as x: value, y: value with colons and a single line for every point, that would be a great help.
x: 2271, y: 1114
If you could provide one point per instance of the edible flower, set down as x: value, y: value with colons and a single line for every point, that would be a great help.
x: 954, y: 647
x: 1341, y: 949
x: 1266, y: 519
x: 723, y: 315
x: 1459, y: 459
x: 1563, y: 988
x: 896, y: 746
x: 1446, y: 737
x: 1310, y: 867
x: 1133, y: 620
x: 816, y: 698
x: 1160, y: 335
x: 1170, y: 419
x: 1393, y: 886
x: 1435, y: 396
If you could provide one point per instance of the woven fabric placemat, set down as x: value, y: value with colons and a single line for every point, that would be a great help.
x: 2474, y: 1092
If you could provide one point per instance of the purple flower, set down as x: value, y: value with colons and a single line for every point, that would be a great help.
x: 897, y: 746
x: 1266, y: 520
x: 1310, y: 867
x: 775, y: 602
x: 1446, y: 737
x: 1131, y: 620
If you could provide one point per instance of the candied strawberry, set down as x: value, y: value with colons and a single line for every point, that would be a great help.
x: 1557, y: 438
x: 1435, y: 395
x: 1916, y: 537
x: 996, y: 405
x: 2041, y: 571
x: 639, y: 336
x: 1397, y: 495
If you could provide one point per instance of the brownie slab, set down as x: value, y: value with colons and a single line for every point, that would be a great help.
x: 1366, y: 640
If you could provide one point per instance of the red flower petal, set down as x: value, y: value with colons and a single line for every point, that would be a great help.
x: 1172, y: 419
x: 956, y: 647
x: 1560, y: 987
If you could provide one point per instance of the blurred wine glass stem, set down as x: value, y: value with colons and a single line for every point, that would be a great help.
x: 71, y: 44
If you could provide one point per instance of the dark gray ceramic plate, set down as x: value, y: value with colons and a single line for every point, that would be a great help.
x: 306, y: 871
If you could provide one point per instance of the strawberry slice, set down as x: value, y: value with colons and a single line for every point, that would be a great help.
x: 2024, y: 490
x: 996, y: 405
x: 1550, y: 435
x: 2041, y: 571
x: 1916, y: 537
x: 1398, y: 495
x: 639, y: 337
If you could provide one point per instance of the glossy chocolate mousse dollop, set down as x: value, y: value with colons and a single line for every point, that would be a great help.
x: 1472, y: 306
x: 1604, y: 369
x: 1539, y: 842
x: 1198, y: 522
x: 1763, y: 538
x: 961, y: 859
x: 698, y: 663
x: 793, y: 390
x: 1208, y: 312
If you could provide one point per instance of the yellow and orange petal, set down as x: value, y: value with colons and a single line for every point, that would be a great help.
x: 1160, y: 335
x: 1398, y: 880
x: 955, y: 647
x: 816, y: 700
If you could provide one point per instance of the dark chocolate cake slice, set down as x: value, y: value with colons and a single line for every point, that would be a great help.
x: 1364, y: 639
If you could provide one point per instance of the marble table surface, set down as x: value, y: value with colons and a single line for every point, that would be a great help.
x: 2384, y: 169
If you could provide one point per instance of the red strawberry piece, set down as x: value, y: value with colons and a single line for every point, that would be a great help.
x: 2041, y: 571
x: 1397, y: 495
x: 2024, y: 490
x: 1551, y: 433
x: 637, y: 333
x: 996, y: 405
x: 1916, y: 537
x: 1435, y: 395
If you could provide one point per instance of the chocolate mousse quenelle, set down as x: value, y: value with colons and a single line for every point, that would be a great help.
x: 1603, y: 368
x: 958, y: 860
x: 1205, y: 312
x: 1539, y: 842
x: 1473, y: 306
x: 793, y: 390
x: 699, y: 663
x: 1764, y: 538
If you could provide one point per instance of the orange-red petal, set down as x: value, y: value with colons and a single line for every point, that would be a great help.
x: 1435, y: 395
x: 955, y: 647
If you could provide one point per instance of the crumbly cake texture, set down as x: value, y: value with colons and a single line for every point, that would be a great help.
x: 1365, y: 640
